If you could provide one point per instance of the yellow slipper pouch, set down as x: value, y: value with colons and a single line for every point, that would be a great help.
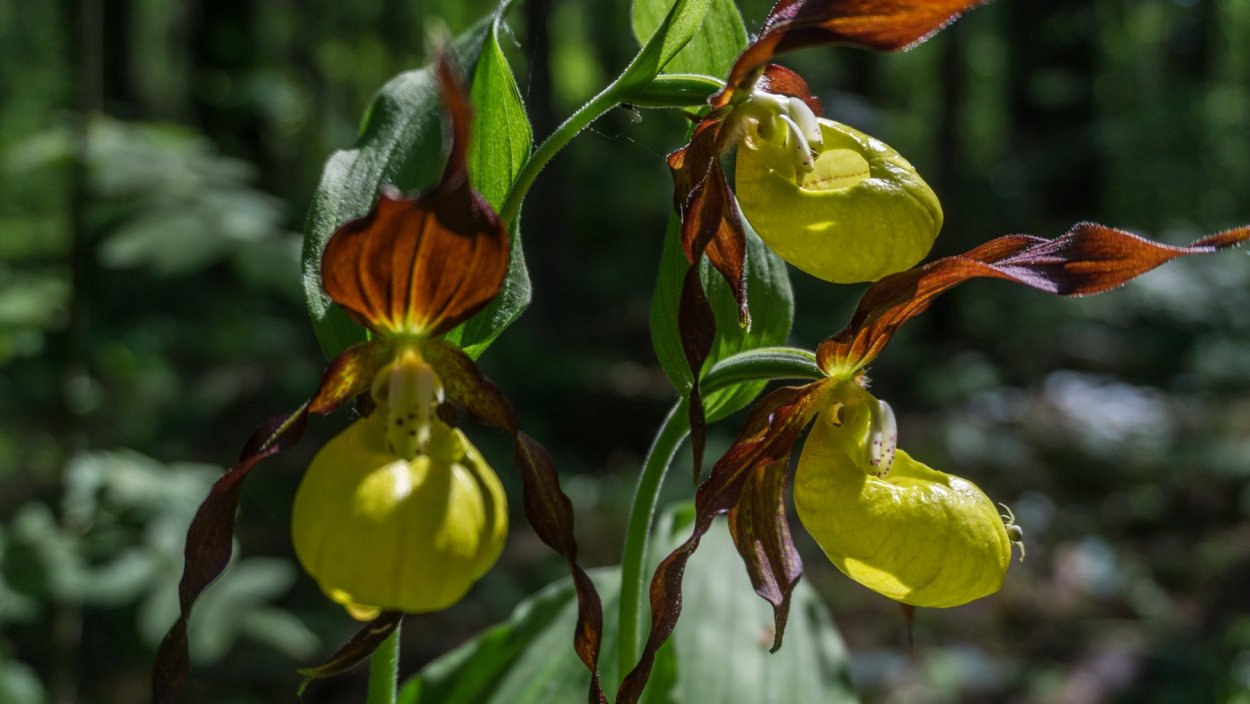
x: 379, y: 532
x: 861, y: 212
x: 915, y: 535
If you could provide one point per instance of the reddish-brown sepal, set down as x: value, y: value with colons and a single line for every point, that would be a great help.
x: 421, y: 266
x: 882, y: 25
x: 1089, y: 259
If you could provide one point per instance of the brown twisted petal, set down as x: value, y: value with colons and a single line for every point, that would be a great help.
x: 1089, y: 259
x: 211, y: 535
x: 547, y: 507
x: 881, y: 25
x: 772, y: 428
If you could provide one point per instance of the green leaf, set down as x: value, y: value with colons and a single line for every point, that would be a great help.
x: 772, y: 312
x: 528, y: 658
x: 719, y: 39
x: 672, y: 33
x: 500, y: 142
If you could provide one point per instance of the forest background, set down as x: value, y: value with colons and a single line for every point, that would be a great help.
x: 156, y: 162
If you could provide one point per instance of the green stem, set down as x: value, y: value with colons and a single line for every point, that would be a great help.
x: 669, y: 90
x: 578, y: 121
x: 384, y: 671
x: 765, y: 364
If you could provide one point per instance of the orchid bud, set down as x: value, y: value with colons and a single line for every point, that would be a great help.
x: 380, y: 532
x: 832, y: 201
x: 916, y: 535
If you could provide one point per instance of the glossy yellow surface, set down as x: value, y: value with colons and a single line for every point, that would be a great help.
x: 379, y: 532
x: 862, y: 212
x: 916, y: 535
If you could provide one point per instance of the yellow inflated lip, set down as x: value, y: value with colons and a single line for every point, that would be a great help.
x: 379, y: 532
x: 873, y: 217
x: 917, y: 535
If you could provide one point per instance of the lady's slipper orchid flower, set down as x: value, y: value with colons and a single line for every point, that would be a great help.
x: 381, y: 532
x: 904, y: 530
x: 400, y: 513
x: 912, y: 533
x: 809, y: 186
x: 842, y: 206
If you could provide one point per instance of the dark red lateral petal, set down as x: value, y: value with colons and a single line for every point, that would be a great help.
x: 697, y: 324
x: 547, y: 507
x: 421, y: 265
x: 709, y: 225
x: 772, y: 428
x: 361, y: 646
x: 1089, y: 259
x: 211, y: 534
x: 881, y: 25
x: 762, y: 535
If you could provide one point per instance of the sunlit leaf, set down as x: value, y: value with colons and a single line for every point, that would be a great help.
x: 500, y: 144
x: 676, y: 30
x: 719, y: 39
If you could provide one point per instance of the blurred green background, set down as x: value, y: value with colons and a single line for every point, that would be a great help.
x: 156, y: 162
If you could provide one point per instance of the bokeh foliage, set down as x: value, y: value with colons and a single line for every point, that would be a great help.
x: 155, y: 165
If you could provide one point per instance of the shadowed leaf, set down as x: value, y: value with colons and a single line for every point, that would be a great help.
x: 772, y: 428
x: 1089, y: 259
x: 211, y: 535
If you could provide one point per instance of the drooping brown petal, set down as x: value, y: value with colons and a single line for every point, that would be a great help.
x: 762, y: 534
x: 772, y: 428
x: 782, y: 81
x: 709, y: 219
x: 210, y: 537
x: 361, y: 646
x: 421, y: 265
x: 1089, y: 259
x: 709, y: 224
x: 547, y: 507
x: 697, y: 324
x: 882, y: 25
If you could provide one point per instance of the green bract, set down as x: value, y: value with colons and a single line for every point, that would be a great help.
x: 914, y: 534
x: 379, y: 532
x: 860, y: 213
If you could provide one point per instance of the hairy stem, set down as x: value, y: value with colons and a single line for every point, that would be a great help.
x: 384, y: 671
x: 765, y: 364
x: 669, y: 90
